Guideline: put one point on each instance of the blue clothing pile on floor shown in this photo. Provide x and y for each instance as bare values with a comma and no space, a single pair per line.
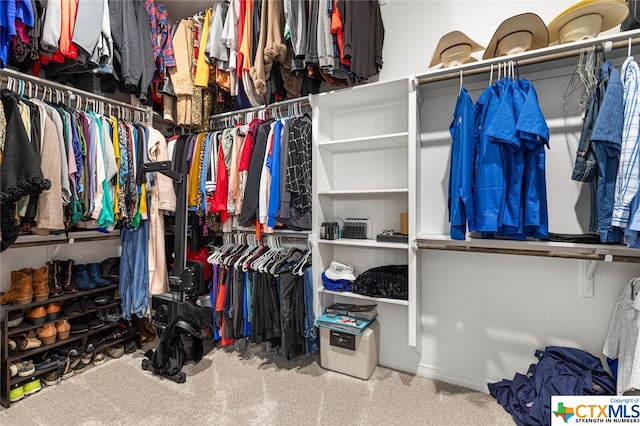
559,371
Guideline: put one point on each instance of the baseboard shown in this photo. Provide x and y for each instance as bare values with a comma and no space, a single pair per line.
429,372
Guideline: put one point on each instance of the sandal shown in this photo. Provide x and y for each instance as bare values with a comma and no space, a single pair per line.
99,358
29,341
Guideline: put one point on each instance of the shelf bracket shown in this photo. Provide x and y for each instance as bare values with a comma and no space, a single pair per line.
587,270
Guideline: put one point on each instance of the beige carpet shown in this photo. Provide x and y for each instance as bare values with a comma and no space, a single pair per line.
251,387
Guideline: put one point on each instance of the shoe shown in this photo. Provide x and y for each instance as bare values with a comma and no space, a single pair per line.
103,299
81,278
68,368
29,341
40,283
147,331
32,386
16,393
13,370
49,359
95,323
116,295
72,308
79,366
79,328
64,329
53,311
15,319
130,347
26,368
51,379
66,272
47,334
115,351
55,285
13,345
96,276
87,358
99,358
36,315
87,305
110,268
21,291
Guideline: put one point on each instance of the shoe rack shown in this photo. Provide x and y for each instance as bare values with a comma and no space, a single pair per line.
75,339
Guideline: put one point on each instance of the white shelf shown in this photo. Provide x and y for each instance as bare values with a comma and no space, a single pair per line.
391,140
365,95
364,243
322,290
363,192
530,247
70,238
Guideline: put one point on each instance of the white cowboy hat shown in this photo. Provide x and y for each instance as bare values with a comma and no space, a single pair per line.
586,19
517,34
454,48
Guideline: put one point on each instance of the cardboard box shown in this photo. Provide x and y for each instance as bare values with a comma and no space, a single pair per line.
404,223
350,354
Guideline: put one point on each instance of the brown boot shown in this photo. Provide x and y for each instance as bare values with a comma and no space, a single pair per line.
40,283
55,286
66,269
21,291
146,331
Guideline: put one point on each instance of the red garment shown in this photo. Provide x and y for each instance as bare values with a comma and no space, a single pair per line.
247,148
220,195
337,29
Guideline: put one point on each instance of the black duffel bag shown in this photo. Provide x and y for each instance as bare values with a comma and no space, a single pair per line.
390,281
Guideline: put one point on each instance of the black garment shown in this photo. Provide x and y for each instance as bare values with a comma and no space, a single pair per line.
299,167
256,14
20,172
311,53
131,29
252,189
36,131
290,292
238,302
363,36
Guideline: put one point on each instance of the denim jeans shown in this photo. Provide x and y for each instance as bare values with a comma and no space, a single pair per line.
606,140
134,271
311,338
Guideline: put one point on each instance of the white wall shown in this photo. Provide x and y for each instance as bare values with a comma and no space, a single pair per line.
483,315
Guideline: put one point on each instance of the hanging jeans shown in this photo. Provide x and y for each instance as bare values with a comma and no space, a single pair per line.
311,338
586,165
134,271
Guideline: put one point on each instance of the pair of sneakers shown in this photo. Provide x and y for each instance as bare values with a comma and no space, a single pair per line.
19,391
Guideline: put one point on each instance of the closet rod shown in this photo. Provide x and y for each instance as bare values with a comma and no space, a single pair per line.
7,72
454,73
304,102
538,253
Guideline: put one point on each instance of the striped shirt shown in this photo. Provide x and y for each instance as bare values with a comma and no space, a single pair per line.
628,178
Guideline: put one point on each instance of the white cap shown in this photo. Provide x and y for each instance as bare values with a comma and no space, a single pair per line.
338,271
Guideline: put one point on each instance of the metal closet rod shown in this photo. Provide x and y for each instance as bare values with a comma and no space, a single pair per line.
538,253
454,73
219,117
7,72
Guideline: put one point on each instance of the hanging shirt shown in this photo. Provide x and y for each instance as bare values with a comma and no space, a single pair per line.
463,137
533,131
627,179
501,131
607,140
273,163
489,184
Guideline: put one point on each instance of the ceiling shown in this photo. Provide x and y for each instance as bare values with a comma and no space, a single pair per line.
179,9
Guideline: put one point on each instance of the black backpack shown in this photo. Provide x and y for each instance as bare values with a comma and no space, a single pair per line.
171,354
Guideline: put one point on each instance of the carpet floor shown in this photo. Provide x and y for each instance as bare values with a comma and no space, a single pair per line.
251,387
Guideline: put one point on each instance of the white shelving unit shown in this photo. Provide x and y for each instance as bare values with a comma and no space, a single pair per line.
364,166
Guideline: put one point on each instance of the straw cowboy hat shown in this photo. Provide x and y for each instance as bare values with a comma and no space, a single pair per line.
454,48
586,19
518,34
